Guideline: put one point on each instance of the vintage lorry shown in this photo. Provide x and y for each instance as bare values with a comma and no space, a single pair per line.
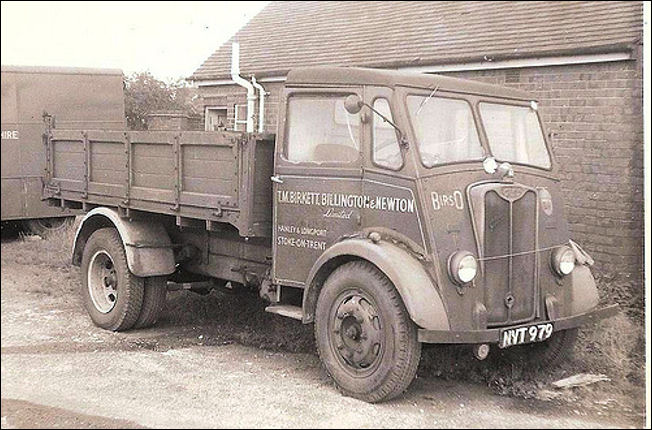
390,209
80,98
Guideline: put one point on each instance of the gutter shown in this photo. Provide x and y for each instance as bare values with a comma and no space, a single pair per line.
488,63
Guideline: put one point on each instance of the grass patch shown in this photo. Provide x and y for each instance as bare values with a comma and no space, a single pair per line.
44,264
615,347
629,294
53,251
239,318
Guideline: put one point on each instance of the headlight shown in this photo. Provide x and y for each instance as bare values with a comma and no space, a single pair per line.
462,267
563,260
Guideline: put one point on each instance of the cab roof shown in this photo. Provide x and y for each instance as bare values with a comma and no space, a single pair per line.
391,78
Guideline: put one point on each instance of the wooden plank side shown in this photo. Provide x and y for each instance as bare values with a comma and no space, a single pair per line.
69,160
108,162
211,138
221,188
153,165
67,134
262,184
183,174
207,201
153,195
209,169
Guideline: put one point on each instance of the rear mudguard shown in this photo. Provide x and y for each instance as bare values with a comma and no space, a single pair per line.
416,288
147,244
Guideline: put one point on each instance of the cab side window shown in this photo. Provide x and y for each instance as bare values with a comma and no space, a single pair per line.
386,151
320,130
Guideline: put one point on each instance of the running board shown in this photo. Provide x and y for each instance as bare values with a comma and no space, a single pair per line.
286,310
178,286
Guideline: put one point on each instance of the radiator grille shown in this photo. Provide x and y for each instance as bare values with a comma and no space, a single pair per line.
510,278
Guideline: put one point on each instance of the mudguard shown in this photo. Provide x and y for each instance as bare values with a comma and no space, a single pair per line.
415,287
584,296
147,244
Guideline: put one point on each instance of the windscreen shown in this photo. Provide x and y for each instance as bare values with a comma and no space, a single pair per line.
514,134
444,129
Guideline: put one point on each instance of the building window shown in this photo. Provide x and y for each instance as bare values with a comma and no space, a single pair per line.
215,118
240,122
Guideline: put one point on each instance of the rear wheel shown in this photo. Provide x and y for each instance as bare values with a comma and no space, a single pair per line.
548,354
112,295
46,226
155,290
365,337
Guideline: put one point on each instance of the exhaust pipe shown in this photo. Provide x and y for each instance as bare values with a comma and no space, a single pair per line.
261,104
251,93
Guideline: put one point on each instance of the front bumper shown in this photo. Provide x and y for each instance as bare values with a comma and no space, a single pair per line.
492,335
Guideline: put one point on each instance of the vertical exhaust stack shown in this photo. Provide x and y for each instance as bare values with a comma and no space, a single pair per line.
261,104
251,93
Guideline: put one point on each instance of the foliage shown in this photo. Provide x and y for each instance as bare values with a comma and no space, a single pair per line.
145,94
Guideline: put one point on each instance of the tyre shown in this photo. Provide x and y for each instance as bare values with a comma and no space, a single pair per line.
155,290
365,338
46,226
111,294
548,354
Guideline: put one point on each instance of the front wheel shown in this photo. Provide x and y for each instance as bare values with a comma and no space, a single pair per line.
365,337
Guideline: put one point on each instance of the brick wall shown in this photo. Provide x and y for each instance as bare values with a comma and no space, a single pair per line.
229,96
174,120
594,114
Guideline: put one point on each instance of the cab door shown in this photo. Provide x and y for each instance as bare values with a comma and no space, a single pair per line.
389,177
317,181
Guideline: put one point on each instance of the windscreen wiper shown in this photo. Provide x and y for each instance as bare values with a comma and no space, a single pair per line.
426,100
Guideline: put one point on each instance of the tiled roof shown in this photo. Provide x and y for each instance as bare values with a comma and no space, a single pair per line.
288,34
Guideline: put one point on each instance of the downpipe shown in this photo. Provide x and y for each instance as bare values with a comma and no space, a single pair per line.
261,104
251,92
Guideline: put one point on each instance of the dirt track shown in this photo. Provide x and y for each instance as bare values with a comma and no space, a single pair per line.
58,370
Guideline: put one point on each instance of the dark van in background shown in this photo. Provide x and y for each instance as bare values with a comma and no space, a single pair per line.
68,98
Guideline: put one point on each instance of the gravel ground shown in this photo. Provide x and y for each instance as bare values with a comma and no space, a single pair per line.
220,361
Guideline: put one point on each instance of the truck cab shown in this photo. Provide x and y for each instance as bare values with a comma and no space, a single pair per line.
455,175
458,173
391,209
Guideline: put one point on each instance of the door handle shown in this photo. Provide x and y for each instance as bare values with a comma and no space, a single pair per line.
277,179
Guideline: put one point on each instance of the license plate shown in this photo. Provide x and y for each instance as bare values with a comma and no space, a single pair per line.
525,334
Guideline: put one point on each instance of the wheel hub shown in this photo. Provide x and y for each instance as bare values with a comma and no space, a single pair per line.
353,332
357,332
102,282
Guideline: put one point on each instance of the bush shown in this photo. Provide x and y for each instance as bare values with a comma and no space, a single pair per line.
145,94
614,346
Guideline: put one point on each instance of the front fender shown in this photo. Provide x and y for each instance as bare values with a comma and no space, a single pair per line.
584,292
417,290
147,244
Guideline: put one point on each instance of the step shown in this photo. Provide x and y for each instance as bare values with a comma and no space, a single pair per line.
177,286
286,310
